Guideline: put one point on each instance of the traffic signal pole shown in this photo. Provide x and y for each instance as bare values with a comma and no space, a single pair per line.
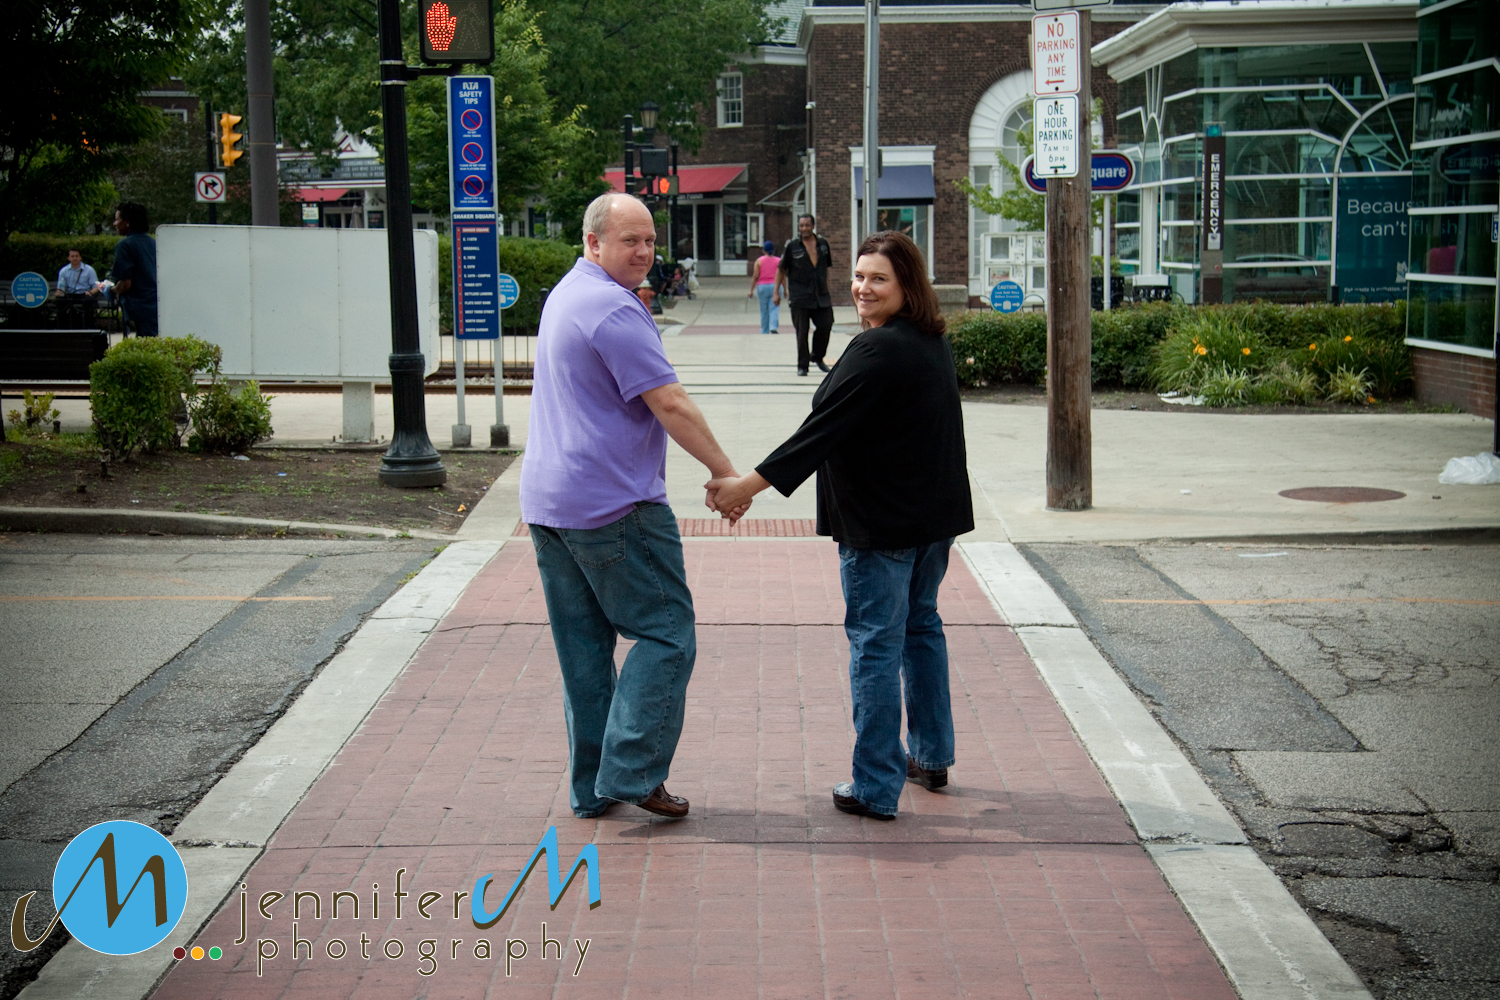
264,184
411,460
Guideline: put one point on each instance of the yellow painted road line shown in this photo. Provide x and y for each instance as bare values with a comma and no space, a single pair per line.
156,597
1312,600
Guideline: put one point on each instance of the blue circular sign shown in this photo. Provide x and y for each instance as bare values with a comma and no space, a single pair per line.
120,887
510,291
1006,296
29,289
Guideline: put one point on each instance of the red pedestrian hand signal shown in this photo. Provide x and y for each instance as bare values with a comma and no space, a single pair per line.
440,26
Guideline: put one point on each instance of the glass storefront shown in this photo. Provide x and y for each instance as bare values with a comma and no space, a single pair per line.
1303,125
1451,270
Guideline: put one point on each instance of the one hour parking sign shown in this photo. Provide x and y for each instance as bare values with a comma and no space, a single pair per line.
1057,136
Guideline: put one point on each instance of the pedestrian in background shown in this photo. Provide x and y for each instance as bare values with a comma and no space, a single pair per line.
886,438
804,272
76,277
134,269
763,287
593,489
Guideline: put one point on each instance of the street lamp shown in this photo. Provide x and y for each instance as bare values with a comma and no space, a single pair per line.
649,111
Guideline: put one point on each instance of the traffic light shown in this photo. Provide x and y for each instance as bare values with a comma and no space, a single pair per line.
228,137
457,31
661,187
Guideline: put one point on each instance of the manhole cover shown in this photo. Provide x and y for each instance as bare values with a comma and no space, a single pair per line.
1341,494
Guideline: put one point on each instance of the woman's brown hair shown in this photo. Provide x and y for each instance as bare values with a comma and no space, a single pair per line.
921,302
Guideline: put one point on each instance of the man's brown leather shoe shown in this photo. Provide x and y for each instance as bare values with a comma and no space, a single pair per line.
663,803
930,780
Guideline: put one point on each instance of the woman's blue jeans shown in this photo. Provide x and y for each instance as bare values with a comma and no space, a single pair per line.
770,314
896,652
626,578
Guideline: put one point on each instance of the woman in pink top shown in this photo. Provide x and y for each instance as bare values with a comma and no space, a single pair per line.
763,285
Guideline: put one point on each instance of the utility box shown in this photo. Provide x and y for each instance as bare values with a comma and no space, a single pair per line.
292,304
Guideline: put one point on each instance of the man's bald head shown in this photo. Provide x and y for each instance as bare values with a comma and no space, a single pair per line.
607,209
619,235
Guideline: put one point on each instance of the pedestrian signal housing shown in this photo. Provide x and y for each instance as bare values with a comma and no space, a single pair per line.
457,31
228,137
661,186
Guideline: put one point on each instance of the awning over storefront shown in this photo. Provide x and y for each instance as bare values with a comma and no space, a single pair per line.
320,194
708,178
910,185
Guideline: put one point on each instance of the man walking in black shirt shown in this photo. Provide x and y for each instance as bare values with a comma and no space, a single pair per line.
804,272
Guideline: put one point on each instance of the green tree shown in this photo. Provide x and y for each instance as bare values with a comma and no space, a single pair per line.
70,113
610,56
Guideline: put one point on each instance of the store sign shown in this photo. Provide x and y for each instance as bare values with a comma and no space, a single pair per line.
1372,235
1056,137
1213,192
1055,67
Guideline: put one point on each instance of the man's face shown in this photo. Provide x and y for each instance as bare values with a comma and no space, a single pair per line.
75,259
628,247
121,226
804,227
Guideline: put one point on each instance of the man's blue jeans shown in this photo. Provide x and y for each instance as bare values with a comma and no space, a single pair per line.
770,313
625,578
896,649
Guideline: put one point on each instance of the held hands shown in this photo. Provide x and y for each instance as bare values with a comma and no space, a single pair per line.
731,511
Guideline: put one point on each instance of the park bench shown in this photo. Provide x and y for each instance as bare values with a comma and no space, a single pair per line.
49,355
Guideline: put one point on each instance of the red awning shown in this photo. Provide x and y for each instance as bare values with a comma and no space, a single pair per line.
708,178
320,194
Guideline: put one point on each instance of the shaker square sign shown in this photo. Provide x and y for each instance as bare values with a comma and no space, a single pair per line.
1055,54
1056,136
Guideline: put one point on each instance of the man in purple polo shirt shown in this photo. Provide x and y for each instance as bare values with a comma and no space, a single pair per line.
593,489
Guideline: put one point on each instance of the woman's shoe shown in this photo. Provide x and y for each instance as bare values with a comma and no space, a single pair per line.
844,801
930,780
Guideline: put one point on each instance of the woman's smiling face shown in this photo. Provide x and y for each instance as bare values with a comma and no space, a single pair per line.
877,294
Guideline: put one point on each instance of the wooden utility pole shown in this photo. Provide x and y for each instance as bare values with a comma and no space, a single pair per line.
1070,474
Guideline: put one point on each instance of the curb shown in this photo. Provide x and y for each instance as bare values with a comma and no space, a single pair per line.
110,521
1269,947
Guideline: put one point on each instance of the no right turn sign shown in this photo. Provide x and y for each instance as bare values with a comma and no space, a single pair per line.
209,186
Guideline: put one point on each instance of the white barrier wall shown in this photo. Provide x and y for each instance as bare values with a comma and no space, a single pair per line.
292,303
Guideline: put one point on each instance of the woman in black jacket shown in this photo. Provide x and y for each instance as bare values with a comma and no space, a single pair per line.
886,439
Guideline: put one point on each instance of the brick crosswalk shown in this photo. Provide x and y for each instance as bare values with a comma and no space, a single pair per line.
1021,880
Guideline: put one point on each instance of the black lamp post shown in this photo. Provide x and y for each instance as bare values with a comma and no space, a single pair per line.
411,460
649,111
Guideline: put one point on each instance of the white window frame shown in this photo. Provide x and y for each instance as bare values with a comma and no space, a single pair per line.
731,100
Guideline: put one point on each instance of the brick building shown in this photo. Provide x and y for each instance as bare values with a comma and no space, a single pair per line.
954,91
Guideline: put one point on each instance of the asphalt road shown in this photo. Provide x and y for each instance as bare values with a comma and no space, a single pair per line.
1344,702
137,670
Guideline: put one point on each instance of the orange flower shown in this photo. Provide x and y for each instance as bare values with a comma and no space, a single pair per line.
1347,339
1200,349
1370,400
1312,347
1244,350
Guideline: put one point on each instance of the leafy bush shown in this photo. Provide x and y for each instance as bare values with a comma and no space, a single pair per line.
146,391
135,396
1123,339
990,347
1345,385
35,411
226,422
46,253
1201,344
1225,386
1284,383
535,264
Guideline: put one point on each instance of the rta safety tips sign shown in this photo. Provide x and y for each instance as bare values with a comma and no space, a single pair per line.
1056,136
471,144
